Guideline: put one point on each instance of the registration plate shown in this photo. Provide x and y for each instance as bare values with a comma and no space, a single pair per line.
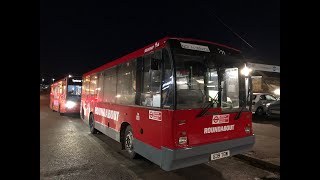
220,155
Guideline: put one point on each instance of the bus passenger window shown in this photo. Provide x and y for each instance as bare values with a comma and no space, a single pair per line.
146,96
150,95
126,79
167,81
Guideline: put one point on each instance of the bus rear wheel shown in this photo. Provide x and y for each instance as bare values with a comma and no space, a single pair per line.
91,125
128,142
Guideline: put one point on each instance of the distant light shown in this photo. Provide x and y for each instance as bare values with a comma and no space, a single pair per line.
70,76
76,80
182,82
277,91
117,96
246,71
200,81
53,79
42,79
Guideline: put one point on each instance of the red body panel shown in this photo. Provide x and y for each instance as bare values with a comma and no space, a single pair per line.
194,126
166,130
137,117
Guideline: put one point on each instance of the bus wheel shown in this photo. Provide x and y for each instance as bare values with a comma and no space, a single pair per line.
61,114
91,125
128,142
82,114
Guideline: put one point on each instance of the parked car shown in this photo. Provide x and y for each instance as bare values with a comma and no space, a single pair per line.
259,101
273,109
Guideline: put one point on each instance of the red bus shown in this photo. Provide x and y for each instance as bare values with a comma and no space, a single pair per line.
65,95
177,102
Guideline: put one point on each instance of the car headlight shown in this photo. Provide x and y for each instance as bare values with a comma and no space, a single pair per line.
70,104
268,104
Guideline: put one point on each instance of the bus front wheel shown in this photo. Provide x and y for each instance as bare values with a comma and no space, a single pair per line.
91,124
128,142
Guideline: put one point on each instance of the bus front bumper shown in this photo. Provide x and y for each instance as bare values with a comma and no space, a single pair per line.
175,159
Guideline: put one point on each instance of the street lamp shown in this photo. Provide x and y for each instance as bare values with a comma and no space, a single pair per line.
246,71
52,79
42,80
70,76
277,91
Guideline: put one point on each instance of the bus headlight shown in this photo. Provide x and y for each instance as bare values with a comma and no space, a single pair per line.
70,104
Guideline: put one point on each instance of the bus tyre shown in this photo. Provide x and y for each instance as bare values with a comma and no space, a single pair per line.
128,142
91,125
82,114
61,114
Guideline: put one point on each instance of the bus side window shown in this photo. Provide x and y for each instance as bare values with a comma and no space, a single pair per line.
85,86
167,81
93,86
110,85
155,78
126,83
139,79
146,96
150,95
100,87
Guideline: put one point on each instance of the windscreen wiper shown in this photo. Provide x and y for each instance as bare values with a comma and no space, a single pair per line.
204,110
239,113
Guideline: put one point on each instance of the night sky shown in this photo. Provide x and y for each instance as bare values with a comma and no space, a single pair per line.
77,36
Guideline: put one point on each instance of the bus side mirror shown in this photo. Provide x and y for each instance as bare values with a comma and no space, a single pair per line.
155,64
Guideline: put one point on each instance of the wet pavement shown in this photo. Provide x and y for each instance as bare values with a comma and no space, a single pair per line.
267,146
69,151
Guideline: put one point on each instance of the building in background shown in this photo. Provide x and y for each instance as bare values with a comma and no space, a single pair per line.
265,78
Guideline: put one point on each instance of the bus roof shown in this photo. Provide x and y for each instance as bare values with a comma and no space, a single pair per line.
58,81
157,45
62,79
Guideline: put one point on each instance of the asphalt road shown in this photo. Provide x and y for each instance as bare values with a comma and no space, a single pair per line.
69,151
